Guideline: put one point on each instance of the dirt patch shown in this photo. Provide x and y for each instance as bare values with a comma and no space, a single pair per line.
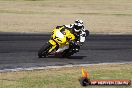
99,16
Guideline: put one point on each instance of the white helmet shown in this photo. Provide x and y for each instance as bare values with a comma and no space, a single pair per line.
78,25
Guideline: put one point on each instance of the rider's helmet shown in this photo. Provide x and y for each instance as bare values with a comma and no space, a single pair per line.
78,25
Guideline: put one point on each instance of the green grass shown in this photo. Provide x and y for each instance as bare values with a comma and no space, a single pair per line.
64,77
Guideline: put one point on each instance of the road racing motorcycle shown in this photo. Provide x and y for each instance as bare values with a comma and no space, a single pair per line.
63,46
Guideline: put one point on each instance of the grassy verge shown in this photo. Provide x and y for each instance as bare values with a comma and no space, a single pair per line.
64,77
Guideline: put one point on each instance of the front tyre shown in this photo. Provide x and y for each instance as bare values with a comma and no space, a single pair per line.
43,51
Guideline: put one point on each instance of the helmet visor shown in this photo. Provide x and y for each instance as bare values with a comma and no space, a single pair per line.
77,27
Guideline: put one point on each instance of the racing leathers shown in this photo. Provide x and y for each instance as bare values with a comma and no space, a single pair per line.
79,36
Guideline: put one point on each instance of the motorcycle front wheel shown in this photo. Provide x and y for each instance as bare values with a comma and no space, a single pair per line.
43,51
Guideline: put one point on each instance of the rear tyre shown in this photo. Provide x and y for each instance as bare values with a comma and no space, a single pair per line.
67,53
43,51
73,48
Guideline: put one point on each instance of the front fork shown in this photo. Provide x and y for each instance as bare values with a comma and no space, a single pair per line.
54,45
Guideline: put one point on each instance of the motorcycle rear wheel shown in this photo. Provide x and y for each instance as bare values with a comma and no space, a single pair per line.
67,53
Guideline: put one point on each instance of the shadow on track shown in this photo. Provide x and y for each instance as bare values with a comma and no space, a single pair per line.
71,57
76,57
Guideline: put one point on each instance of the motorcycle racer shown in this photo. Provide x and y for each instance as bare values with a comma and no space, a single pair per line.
78,30
63,35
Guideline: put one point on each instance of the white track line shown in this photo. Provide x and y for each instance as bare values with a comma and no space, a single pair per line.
49,67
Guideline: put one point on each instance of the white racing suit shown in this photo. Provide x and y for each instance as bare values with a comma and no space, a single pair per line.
80,37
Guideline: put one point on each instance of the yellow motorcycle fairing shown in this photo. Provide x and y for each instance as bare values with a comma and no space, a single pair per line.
60,38
53,45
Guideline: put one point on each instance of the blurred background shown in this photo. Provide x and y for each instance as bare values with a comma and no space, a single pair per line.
99,16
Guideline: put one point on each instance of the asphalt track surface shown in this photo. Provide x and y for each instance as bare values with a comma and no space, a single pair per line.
19,50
